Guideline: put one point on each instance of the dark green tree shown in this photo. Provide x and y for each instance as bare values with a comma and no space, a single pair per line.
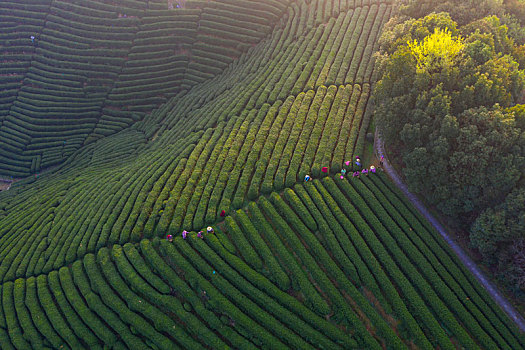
499,234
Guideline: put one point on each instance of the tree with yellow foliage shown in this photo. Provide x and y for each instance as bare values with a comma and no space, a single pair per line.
436,51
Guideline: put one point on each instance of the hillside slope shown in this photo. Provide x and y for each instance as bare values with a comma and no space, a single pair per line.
333,263
193,157
74,71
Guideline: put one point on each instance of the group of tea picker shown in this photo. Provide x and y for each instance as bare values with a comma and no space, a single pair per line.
357,172
200,234
169,238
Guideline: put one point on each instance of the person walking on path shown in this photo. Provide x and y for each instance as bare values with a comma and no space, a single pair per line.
358,162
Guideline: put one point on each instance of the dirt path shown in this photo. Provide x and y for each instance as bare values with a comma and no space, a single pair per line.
6,184
465,259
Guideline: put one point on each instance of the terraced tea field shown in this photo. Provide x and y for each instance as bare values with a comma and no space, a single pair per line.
94,68
155,122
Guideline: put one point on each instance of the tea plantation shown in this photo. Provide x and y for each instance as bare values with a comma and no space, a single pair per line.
125,121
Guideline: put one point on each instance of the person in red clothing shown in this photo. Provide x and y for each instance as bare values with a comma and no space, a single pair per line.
223,213
324,169
169,238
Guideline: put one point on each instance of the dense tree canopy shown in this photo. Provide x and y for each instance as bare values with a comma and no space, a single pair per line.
504,226
450,94
460,10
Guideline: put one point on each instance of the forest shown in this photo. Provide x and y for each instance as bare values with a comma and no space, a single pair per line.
451,96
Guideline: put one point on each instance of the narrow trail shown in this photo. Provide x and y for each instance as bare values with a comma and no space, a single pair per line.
465,259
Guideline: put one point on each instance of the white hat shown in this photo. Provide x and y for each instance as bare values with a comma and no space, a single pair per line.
209,229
